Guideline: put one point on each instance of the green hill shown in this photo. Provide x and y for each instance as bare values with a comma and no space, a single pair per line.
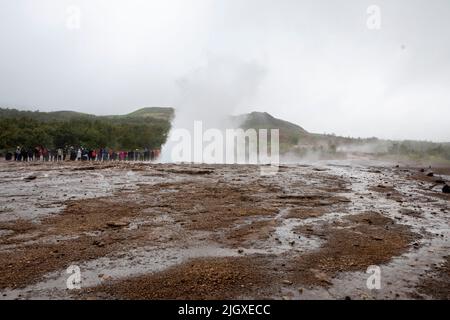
290,134
164,113
147,127
259,120
42,116
297,141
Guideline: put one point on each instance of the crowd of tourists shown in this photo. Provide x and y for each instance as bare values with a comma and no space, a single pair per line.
81,154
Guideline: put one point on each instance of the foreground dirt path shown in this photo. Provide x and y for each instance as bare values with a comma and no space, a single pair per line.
161,231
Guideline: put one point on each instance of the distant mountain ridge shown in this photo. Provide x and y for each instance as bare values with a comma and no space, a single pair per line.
289,133
296,141
259,120
164,113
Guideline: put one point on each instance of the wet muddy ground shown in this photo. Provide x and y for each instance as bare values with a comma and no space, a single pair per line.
165,231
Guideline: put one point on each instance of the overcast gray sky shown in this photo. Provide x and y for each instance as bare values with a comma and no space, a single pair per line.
315,63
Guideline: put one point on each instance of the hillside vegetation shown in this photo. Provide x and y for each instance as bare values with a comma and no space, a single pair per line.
146,127
298,143
149,127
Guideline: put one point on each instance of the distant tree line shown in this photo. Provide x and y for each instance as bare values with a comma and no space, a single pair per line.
90,132
419,149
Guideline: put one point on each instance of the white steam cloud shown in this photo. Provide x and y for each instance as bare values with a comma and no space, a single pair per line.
212,92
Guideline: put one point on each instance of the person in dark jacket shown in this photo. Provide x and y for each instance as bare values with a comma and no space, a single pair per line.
30,154
24,155
73,154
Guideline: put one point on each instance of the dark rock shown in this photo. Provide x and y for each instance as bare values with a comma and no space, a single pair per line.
98,243
446,189
430,174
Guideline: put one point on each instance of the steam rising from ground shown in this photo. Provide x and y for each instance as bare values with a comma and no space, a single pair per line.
213,92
